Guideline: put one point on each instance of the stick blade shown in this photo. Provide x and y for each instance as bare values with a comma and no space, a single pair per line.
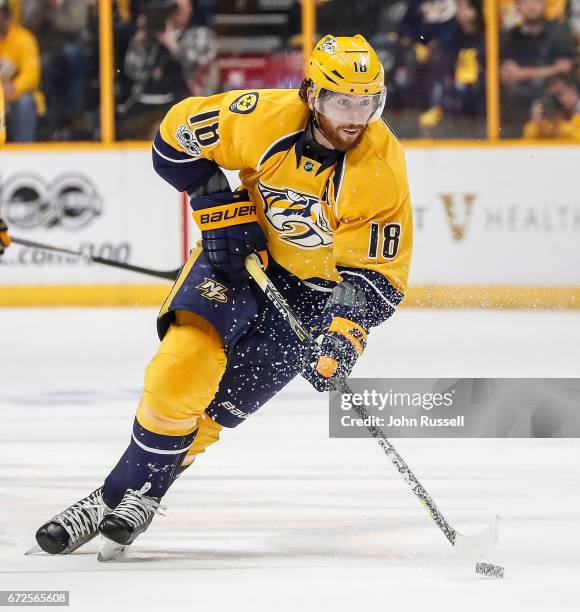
479,543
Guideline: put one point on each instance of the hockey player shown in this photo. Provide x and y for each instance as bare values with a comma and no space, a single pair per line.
324,198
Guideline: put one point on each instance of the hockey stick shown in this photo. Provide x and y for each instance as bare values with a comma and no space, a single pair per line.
471,545
167,274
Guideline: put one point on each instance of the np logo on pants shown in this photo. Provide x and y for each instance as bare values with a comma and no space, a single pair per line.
212,290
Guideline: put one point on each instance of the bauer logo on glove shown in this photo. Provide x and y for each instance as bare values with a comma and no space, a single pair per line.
229,228
229,214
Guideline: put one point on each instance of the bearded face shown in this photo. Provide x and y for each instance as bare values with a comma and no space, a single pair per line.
342,137
342,118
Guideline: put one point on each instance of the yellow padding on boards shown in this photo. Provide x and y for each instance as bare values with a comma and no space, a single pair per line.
183,377
207,434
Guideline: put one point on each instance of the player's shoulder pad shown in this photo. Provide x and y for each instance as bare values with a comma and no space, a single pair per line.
386,143
377,169
252,120
383,146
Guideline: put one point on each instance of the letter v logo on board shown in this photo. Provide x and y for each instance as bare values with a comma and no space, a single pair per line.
458,220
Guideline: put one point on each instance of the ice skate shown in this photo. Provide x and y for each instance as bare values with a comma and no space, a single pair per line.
73,527
129,519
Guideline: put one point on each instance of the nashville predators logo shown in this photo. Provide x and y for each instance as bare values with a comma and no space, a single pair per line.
297,217
212,290
329,44
245,104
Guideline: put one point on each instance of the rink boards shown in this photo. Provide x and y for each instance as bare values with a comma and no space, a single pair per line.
493,225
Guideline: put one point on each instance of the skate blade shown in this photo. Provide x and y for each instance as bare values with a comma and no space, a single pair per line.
34,550
110,551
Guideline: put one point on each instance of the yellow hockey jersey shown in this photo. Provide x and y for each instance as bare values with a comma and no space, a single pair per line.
347,216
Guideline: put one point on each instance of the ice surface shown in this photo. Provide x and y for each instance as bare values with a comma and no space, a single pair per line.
276,516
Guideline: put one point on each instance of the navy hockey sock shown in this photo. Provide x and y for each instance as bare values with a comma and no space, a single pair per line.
116,482
150,457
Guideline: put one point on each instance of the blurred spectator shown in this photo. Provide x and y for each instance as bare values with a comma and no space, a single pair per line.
61,29
427,21
167,59
460,88
511,17
557,114
195,47
155,75
427,26
125,13
531,53
20,76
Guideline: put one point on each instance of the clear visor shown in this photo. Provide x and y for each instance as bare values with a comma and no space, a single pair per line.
350,109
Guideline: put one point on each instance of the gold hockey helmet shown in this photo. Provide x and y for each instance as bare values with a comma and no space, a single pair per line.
346,65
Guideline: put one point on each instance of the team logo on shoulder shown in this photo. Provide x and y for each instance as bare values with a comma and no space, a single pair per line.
297,217
329,44
246,103
212,290
186,139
